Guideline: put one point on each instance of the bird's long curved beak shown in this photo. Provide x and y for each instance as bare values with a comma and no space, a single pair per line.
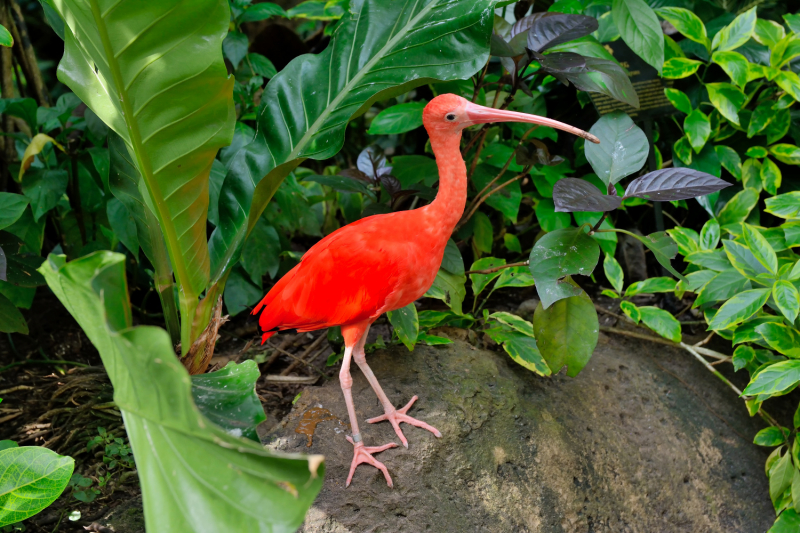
477,114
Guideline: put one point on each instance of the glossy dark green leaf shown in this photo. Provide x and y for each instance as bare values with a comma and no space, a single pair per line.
664,249
261,253
241,294
406,324
235,47
566,333
24,108
722,287
516,337
697,128
679,100
412,169
170,99
123,225
31,478
399,118
228,398
672,184
11,321
11,208
622,150
124,182
556,28
789,520
244,486
573,194
449,288
560,254
640,29
730,160
261,65
261,11
44,188
452,261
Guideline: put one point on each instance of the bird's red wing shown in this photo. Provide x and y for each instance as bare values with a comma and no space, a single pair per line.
345,278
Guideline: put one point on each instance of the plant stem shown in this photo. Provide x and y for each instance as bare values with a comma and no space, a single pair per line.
495,269
599,222
163,280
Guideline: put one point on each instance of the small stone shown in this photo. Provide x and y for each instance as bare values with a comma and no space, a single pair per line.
526,308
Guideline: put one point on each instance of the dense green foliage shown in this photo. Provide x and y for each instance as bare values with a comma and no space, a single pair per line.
205,185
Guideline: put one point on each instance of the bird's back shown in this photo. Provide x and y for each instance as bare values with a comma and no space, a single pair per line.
377,264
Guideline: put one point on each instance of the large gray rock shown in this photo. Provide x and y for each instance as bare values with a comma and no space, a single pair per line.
624,447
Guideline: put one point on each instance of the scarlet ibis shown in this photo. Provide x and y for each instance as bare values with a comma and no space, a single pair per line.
382,263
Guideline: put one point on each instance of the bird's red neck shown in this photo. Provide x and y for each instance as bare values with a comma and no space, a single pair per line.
445,211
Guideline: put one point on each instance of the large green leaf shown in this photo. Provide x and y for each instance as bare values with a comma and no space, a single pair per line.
182,457
379,49
31,478
736,33
567,333
559,254
622,150
640,29
228,398
775,378
686,22
11,320
153,72
406,324
11,208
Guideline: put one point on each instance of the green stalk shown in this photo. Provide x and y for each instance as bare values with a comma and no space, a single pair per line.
162,279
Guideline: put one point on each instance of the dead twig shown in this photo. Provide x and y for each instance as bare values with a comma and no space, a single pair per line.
292,380
495,269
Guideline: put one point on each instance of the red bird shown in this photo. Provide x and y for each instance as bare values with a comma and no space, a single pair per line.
384,262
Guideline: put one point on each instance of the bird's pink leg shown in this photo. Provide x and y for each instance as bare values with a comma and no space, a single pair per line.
361,453
394,416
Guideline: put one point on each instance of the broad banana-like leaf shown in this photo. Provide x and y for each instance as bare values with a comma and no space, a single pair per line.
379,49
195,477
153,71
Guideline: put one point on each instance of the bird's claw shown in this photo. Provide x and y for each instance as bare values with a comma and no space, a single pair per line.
363,454
396,416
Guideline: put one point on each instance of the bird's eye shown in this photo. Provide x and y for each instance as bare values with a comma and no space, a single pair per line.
451,117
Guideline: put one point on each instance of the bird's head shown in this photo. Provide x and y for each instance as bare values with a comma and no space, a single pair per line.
449,112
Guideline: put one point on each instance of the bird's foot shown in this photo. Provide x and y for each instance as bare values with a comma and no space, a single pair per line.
395,416
363,454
